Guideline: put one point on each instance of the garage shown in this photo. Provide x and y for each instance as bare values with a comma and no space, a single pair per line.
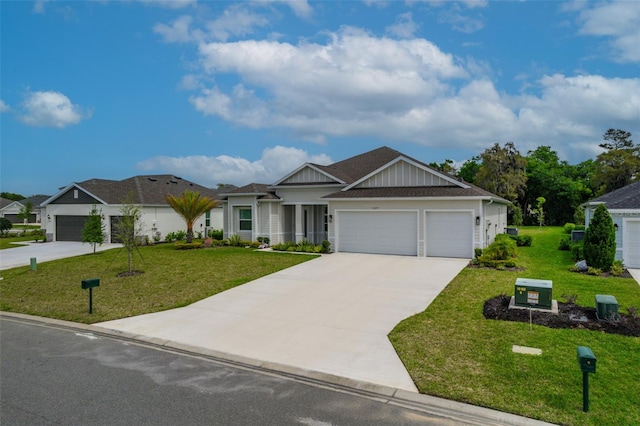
377,232
69,228
631,244
449,234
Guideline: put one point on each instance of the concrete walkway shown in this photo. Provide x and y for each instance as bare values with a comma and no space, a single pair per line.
635,273
330,315
43,252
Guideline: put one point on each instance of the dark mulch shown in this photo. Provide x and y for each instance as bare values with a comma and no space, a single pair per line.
129,274
569,316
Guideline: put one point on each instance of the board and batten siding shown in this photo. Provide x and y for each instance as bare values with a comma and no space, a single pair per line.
308,175
403,173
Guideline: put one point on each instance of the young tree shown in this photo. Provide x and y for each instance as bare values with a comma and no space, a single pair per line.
26,211
93,231
502,171
600,240
128,226
539,211
517,216
190,205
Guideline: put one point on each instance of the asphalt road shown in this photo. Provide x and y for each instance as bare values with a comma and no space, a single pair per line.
53,375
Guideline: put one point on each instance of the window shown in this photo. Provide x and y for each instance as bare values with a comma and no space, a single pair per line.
245,219
207,218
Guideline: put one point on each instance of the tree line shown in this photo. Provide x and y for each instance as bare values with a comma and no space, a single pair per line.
540,174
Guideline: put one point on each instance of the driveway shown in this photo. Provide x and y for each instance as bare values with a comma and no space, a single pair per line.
329,315
635,273
21,256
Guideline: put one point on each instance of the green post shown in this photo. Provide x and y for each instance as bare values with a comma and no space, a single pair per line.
34,264
585,391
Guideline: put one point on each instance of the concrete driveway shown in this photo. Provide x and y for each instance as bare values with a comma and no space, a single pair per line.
330,315
21,256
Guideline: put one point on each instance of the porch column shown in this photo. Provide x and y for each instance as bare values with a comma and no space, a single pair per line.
299,230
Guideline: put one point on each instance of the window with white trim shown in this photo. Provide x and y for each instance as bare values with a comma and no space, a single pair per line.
245,221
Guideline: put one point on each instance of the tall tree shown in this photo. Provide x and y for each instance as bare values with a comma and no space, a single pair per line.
600,240
469,169
619,165
190,205
12,196
93,231
447,166
502,171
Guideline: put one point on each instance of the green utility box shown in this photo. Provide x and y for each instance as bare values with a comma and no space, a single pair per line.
90,283
586,359
533,293
606,307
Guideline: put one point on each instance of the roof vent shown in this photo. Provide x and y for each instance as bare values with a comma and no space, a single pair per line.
152,179
177,177
173,181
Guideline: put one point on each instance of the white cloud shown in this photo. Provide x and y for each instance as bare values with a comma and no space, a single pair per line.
461,22
209,171
404,27
4,107
301,8
620,22
50,109
236,20
38,6
177,32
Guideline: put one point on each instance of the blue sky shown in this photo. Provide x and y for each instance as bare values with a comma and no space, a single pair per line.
240,92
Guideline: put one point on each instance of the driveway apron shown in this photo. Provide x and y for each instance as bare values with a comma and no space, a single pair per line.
329,315
43,252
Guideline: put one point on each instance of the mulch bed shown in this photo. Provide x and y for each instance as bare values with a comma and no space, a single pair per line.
569,316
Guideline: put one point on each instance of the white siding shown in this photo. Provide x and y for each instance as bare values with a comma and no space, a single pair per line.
631,242
403,174
308,175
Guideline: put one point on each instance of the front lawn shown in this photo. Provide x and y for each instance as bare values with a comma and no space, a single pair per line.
172,278
453,352
12,242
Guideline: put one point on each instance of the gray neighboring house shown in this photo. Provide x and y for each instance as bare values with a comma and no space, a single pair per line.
382,202
65,213
10,209
624,207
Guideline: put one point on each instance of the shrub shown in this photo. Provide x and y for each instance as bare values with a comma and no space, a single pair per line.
5,225
188,246
234,240
264,240
326,246
617,268
180,235
577,251
570,298
633,311
600,240
568,227
594,271
564,244
502,248
170,237
216,234
477,252
580,228
522,240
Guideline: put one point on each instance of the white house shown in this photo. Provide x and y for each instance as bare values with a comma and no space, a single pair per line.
381,201
624,207
64,214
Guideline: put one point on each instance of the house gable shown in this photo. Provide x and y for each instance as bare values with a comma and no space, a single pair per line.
75,195
308,174
403,172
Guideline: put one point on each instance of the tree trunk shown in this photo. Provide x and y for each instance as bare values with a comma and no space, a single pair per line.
189,236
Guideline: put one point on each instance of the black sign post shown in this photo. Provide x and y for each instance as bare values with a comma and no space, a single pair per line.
90,284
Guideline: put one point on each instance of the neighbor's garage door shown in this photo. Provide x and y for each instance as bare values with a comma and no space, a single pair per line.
631,244
69,228
378,232
449,234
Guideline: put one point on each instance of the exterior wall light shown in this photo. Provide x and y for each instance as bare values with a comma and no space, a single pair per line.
477,220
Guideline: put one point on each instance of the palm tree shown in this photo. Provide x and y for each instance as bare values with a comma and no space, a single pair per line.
190,206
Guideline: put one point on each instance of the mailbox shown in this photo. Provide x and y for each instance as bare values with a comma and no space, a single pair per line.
90,283
586,359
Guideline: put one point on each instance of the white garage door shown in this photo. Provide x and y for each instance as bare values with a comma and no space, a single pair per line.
378,232
449,234
631,244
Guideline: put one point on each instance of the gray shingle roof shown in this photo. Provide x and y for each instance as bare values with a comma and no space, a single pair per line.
35,200
627,197
4,202
261,189
146,190
413,192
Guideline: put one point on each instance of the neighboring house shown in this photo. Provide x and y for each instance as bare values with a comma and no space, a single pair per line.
10,209
65,213
624,207
381,201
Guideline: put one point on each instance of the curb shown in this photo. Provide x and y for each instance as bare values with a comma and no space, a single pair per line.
457,411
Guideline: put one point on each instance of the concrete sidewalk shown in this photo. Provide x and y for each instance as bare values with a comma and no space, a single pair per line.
43,252
330,315
635,273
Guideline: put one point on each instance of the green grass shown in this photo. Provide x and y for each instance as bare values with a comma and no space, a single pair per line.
172,278
453,352
9,242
